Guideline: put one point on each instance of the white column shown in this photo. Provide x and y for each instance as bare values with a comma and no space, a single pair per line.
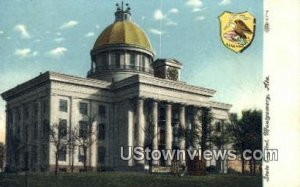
141,125
93,149
155,129
73,156
169,133
182,128
130,130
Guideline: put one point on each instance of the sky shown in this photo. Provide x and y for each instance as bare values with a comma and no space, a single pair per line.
57,35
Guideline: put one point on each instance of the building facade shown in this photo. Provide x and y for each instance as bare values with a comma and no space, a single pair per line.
126,90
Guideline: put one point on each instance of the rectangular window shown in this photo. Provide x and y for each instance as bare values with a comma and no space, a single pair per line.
83,108
35,109
18,131
45,106
26,133
162,135
118,60
62,153
101,154
34,154
45,128
62,128
101,131
63,105
103,60
35,130
143,63
18,114
102,111
218,127
80,154
83,129
26,112
131,60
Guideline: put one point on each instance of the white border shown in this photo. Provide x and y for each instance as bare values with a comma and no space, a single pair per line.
282,64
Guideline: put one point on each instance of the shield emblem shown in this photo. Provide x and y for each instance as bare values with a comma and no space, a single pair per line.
237,30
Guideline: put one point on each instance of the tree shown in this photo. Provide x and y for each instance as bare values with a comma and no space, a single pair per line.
72,146
58,133
219,137
245,133
83,136
252,119
199,135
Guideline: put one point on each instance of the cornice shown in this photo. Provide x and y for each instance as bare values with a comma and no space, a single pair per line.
219,105
48,76
164,83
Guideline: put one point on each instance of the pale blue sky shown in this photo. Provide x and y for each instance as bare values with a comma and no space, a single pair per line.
57,35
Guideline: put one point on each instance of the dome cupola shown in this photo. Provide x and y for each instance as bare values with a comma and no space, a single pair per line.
121,50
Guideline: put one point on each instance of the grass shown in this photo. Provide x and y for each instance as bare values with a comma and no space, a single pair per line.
126,180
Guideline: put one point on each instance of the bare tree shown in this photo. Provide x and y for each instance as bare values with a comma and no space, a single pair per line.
83,136
58,135
72,144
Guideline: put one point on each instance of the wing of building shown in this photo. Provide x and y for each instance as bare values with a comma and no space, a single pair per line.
126,91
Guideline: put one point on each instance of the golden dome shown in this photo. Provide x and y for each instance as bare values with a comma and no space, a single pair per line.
123,32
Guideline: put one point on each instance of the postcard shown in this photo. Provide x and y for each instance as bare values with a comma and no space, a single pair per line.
149,93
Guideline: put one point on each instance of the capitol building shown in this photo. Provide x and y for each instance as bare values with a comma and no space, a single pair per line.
126,89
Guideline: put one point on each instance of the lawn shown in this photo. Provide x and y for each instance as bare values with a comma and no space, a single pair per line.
126,179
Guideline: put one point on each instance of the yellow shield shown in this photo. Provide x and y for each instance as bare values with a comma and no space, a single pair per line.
237,30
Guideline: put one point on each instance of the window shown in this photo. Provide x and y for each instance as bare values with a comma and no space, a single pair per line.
34,154
83,108
45,106
117,60
162,135
83,129
18,114
103,60
62,153
62,128
45,128
80,154
35,130
102,111
26,112
63,105
101,131
26,133
101,154
218,127
35,109
131,60
143,63
18,131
